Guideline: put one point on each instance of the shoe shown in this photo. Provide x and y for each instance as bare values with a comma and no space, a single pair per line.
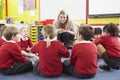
117,67
104,67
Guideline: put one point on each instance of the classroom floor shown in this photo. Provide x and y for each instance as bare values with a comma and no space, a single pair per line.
101,75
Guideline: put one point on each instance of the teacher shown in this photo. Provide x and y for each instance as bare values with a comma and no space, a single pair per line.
66,29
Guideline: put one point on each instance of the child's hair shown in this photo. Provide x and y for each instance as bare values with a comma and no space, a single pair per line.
49,32
97,31
9,32
2,28
24,28
86,31
112,29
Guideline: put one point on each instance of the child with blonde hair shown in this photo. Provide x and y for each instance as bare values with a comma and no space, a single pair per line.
50,52
25,42
66,29
11,59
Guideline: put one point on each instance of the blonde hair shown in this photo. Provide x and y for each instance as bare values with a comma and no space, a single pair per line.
25,28
9,32
49,32
68,21
2,28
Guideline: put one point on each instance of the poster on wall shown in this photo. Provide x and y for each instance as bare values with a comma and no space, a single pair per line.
29,4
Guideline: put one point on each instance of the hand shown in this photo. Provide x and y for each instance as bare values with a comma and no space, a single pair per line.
60,31
28,49
35,58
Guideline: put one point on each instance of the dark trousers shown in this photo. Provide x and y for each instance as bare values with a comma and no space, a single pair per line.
66,38
69,69
37,71
111,62
17,68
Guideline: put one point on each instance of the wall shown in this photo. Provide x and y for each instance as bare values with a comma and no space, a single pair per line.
2,10
13,12
50,8
103,21
104,7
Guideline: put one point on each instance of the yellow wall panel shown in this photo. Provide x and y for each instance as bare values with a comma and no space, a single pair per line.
2,10
103,20
13,12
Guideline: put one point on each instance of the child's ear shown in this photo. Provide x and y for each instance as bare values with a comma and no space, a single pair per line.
13,36
80,37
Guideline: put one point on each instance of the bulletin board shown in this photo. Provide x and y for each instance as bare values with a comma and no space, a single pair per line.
49,9
104,8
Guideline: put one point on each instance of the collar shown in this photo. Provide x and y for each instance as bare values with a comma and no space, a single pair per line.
55,38
84,41
26,38
11,41
3,38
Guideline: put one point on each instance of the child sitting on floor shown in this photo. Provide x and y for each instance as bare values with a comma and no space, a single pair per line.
11,59
25,42
83,61
109,47
50,51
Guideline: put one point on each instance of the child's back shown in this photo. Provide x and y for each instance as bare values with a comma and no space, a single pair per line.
86,54
50,52
83,61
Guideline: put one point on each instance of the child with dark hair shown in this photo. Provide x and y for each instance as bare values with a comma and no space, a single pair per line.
83,61
11,59
50,51
109,47
97,33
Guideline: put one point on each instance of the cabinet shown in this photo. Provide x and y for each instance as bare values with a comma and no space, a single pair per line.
36,33
33,34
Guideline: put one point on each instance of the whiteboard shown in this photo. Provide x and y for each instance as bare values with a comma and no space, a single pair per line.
104,7
49,9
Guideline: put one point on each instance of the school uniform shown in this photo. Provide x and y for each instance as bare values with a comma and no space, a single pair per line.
25,44
112,47
83,61
50,58
11,59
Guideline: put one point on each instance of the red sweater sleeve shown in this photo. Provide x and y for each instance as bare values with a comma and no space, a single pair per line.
25,44
73,57
30,43
16,53
63,50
